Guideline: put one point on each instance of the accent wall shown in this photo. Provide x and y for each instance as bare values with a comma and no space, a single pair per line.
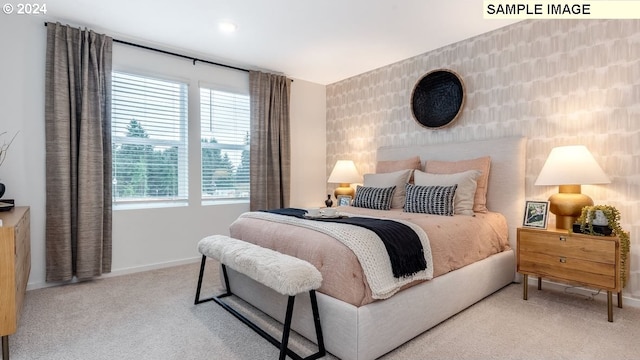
556,82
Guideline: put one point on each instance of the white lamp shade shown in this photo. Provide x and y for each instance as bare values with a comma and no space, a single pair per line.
344,172
571,165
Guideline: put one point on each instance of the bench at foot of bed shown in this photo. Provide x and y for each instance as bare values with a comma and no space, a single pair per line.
283,273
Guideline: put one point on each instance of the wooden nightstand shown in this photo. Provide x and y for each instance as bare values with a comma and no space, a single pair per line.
592,261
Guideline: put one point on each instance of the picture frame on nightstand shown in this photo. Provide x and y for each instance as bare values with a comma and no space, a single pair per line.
344,200
536,214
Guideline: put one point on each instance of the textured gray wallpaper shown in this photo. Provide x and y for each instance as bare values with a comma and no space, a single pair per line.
557,82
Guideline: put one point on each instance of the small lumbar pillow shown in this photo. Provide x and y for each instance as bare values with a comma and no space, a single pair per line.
466,180
396,178
435,200
374,197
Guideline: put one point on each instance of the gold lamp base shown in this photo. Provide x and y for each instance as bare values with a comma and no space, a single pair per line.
567,205
344,189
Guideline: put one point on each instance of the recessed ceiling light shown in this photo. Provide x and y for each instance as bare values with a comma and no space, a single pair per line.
227,27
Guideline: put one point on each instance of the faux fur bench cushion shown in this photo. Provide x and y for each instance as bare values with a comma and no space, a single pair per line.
283,273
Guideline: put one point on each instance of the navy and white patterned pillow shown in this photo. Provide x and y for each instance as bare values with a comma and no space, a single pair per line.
373,197
435,200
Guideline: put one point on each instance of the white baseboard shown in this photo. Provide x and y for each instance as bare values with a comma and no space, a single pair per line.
602,296
120,272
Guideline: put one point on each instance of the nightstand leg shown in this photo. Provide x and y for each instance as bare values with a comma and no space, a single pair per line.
525,283
620,299
610,306
5,347
539,283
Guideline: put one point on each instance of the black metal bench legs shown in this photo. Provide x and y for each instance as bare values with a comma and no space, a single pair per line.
283,344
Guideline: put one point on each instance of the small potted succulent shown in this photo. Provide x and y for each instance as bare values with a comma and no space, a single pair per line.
598,217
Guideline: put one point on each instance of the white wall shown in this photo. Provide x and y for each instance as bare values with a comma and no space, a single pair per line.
308,143
22,65
142,238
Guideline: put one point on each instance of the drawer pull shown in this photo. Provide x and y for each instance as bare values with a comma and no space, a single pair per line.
563,260
563,238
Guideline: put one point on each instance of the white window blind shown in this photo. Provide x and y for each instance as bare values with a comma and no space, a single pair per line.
149,136
225,144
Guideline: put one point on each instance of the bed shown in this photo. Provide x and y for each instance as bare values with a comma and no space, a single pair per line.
357,322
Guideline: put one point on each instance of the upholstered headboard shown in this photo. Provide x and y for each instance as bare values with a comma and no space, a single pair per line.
506,189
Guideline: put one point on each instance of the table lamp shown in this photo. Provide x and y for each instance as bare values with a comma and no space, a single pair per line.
569,167
344,173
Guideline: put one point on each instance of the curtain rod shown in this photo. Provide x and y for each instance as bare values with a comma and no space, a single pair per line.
176,54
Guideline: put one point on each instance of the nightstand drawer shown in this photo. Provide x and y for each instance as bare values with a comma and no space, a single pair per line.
589,248
569,269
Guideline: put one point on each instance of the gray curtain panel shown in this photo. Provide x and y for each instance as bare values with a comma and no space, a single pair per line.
78,153
270,153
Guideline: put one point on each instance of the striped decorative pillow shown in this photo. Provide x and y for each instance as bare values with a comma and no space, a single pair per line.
435,200
373,197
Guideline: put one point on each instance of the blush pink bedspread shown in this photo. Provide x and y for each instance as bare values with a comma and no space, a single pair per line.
456,241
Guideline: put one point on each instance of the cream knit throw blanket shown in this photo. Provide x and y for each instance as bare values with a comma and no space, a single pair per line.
367,247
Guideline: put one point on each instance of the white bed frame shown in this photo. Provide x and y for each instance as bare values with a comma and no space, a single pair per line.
370,331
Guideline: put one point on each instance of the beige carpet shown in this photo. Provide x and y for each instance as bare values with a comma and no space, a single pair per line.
151,315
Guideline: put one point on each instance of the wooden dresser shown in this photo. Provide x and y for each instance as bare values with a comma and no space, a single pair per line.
592,261
15,265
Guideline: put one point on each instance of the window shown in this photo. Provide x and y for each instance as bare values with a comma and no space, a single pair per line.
149,136
224,119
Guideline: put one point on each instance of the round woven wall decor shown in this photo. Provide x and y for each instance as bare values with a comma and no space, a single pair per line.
437,99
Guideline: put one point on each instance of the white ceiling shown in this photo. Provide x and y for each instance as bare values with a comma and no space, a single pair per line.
321,41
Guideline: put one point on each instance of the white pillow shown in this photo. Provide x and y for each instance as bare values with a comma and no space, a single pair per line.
385,180
465,193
